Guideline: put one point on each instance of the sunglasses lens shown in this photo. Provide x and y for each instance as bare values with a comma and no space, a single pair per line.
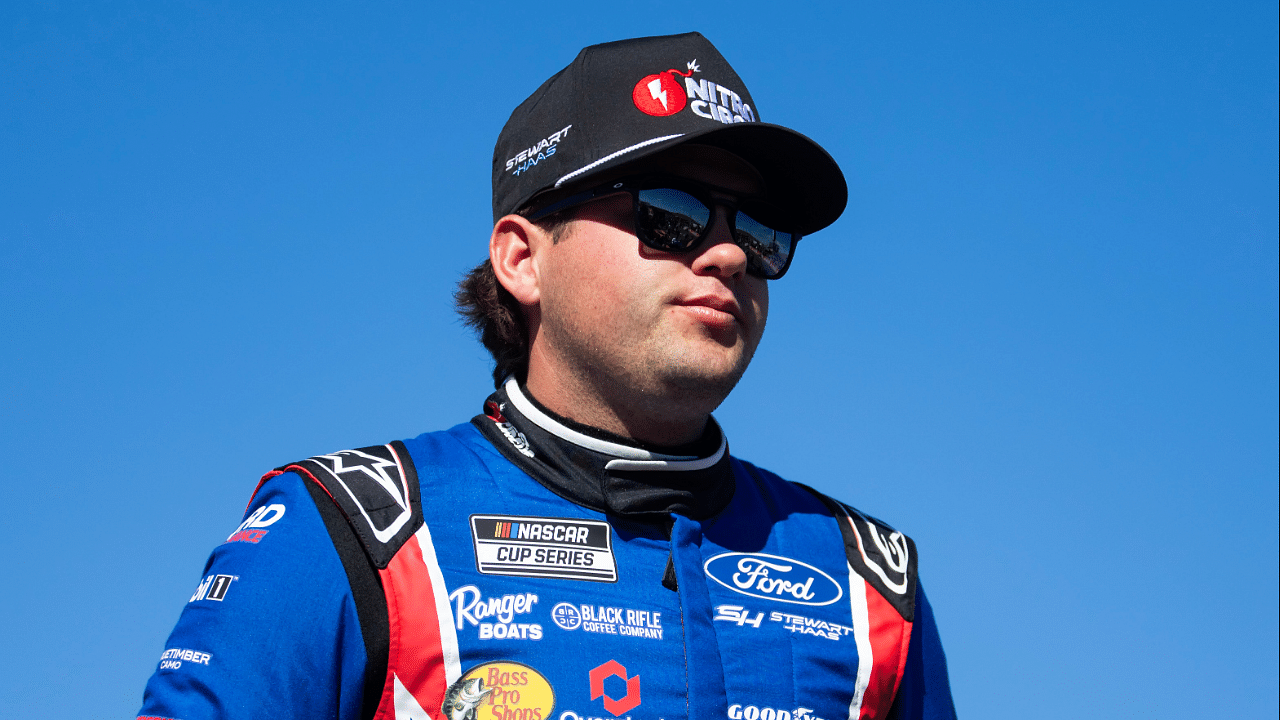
767,249
670,220
675,221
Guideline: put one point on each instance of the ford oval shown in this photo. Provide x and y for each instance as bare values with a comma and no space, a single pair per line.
773,577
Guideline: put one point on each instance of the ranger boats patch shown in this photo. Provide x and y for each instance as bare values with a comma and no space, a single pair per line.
567,548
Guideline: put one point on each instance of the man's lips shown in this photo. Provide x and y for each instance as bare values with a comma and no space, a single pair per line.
713,309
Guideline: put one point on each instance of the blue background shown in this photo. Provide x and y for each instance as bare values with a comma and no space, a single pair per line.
1042,340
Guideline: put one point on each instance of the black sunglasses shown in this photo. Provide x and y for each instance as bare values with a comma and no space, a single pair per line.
675,216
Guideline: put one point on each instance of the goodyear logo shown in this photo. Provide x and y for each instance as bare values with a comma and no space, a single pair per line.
501,690
568,548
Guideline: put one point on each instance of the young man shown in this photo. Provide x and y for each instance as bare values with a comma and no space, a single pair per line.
586,548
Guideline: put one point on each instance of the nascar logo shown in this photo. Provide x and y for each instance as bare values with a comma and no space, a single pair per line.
568,548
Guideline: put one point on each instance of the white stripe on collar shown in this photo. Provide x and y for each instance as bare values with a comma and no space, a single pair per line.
627,457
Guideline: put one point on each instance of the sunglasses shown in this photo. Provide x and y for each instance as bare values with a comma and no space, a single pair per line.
675,216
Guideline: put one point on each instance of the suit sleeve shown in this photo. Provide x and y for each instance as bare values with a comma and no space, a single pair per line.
925,692
271,629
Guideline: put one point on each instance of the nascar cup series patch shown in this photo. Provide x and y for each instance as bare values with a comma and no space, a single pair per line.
567,548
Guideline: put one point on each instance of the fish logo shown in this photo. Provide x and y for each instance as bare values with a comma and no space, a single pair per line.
503,689
463,699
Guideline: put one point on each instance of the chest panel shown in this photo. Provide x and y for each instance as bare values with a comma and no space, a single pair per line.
561,612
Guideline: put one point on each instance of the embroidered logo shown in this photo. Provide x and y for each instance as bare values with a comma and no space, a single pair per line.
566,548
502,689
619,706
518,441
662,94
772,577
251,530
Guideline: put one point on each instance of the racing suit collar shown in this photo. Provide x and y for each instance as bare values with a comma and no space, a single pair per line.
605,472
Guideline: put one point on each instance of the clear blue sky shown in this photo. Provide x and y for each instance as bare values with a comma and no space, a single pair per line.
1042,340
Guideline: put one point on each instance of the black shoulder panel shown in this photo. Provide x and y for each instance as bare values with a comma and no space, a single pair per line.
884,557
370,503
366,589
377,489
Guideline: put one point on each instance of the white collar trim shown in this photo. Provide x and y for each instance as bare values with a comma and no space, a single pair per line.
626,456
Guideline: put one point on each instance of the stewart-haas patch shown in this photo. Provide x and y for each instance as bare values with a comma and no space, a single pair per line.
567,548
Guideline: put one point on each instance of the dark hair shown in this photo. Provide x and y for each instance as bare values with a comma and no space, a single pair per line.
495,315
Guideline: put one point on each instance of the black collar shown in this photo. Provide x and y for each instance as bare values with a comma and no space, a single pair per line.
605,472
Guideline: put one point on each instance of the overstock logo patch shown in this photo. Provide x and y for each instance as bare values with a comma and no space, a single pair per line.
616,706
566,548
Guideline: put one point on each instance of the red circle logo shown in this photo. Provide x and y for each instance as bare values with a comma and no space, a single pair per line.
659,95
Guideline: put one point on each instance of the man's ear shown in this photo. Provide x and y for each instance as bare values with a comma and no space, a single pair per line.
511,250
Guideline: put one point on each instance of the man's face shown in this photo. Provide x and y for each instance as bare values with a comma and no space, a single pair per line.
633,322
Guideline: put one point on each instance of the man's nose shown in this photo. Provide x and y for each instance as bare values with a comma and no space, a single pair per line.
719,254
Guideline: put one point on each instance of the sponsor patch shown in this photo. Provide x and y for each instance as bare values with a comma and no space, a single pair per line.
608,620
173,658
566,548
493,411
374,480
537,152
668,92
752,712
772,577
213,587
503,689
798,624
615,706
470,607
252,529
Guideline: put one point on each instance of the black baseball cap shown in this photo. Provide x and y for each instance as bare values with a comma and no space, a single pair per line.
623,101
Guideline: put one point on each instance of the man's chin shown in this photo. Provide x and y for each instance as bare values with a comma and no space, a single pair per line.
704,383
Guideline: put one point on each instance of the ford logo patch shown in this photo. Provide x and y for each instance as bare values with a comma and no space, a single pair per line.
773,578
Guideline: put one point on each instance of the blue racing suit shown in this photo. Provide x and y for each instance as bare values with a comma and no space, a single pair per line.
524,567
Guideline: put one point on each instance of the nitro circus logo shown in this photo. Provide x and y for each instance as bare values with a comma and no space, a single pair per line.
797,624
250,530
664,94
470,607
751,712
213,587
772,577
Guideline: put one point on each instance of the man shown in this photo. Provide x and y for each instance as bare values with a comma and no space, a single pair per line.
586,548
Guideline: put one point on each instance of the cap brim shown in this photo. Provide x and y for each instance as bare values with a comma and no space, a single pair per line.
801,178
